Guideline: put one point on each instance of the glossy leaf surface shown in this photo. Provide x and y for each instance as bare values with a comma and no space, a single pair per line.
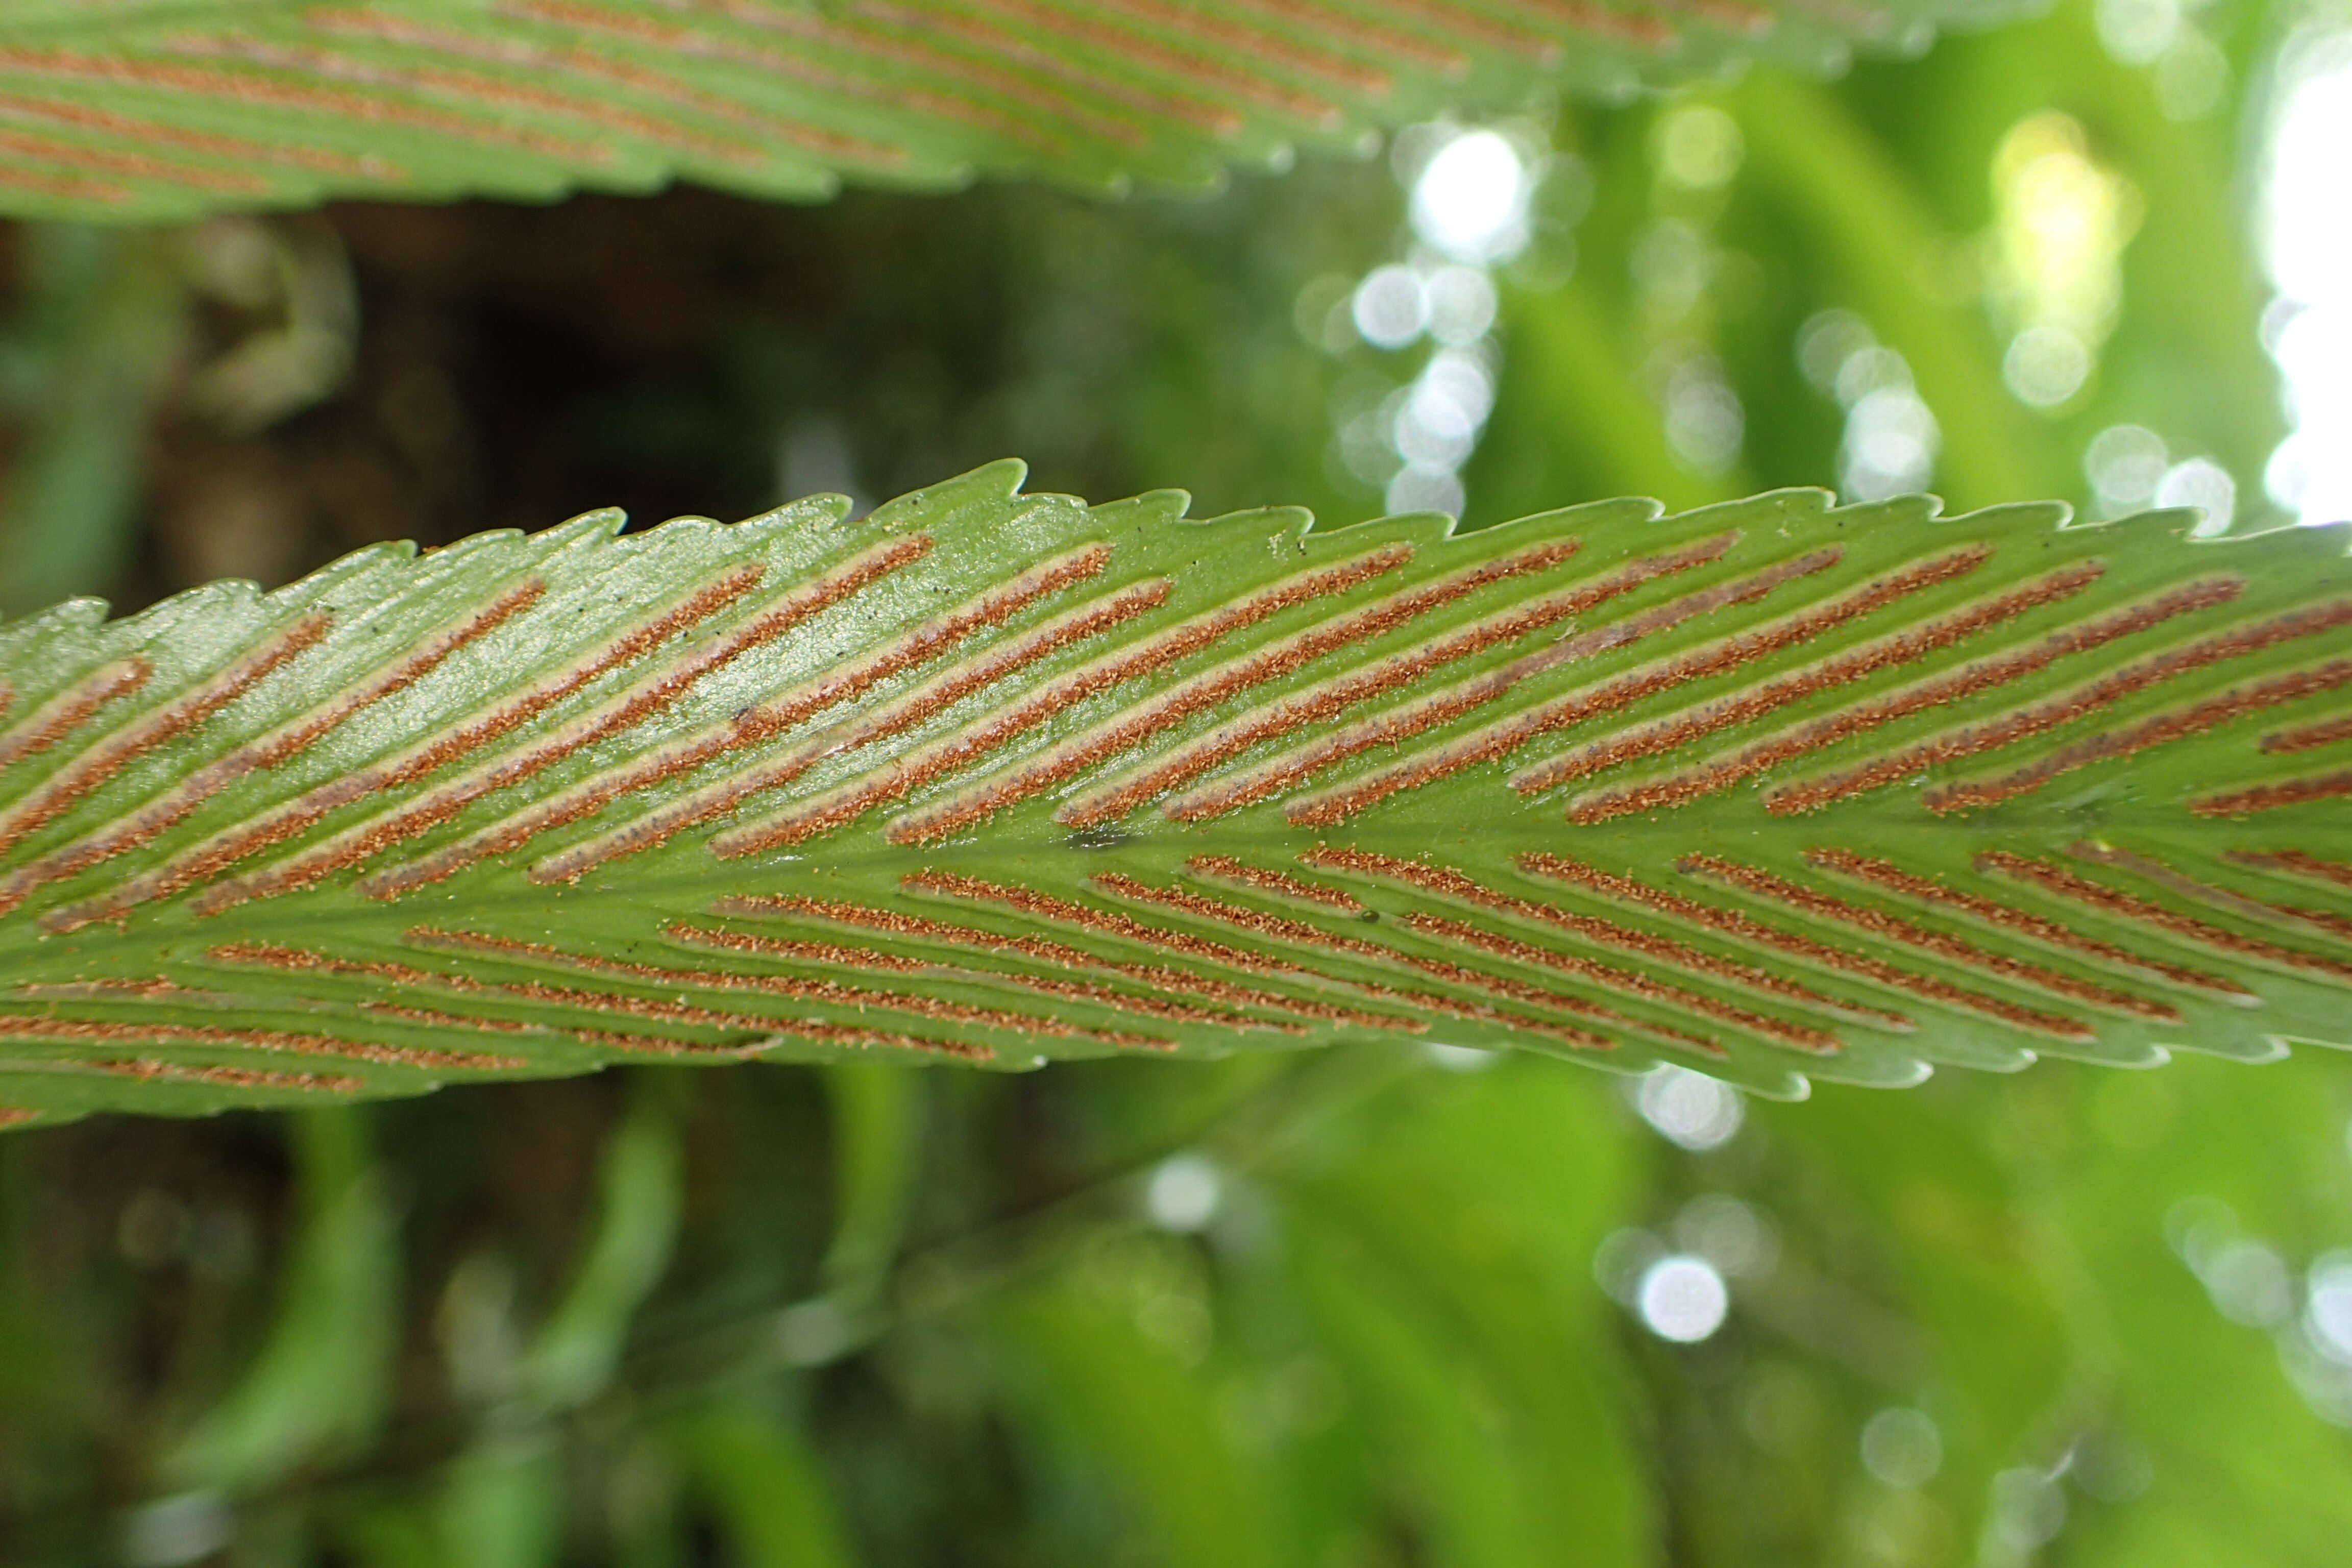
145,109
1774,788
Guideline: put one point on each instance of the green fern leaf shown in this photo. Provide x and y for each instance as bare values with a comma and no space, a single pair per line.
161,109
1773,789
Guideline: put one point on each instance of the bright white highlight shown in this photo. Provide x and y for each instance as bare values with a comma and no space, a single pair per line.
1891,437
2328,1314
1389,307
1902,1447
2203,483
2310,235
2124,463
2045,365
1688,1108
1681,1299
1462,304
1470,201
2249,1283
1733,1236
1183,1194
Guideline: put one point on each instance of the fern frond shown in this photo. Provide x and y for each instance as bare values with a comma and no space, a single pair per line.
1776,789
157,108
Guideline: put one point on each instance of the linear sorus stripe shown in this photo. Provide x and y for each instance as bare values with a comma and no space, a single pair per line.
693,1017
1264,879
2125,906
1723,655
1133,725
2050,934
2308,737
1968,681
1739,927
1643,32
995,42
1274,928
1951,949
687,43
36,147
835,954
452,740
2294,863
2035,718
1318,703
859,36
1353,29
101,761
758,723
1896,648
2173,724
1631,983
792,987
68,188
243,151
1258,44
303,961
1732,15
136,827
517,95
86,990
1178,982
1450,19
2272,796
114,1031
301,86
71,708
2163,876
1294,765
624,710
431,1019
408,765
152,1070
1039,906
1334,805
670,1046
1202,72
1448,883
920,704
1497,739
987,732
1602,22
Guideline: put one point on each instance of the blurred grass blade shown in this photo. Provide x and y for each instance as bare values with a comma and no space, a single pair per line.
100,325
767,1488
320,1383
1112,1407
1882,243
573,1356
1487,1371
502,1502
877,1113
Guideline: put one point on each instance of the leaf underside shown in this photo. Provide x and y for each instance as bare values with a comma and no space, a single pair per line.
1775,789
158,109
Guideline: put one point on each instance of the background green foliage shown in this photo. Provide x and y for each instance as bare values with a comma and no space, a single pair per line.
760,1315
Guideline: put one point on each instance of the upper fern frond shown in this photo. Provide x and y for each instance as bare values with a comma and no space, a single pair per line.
161,109
1776,788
